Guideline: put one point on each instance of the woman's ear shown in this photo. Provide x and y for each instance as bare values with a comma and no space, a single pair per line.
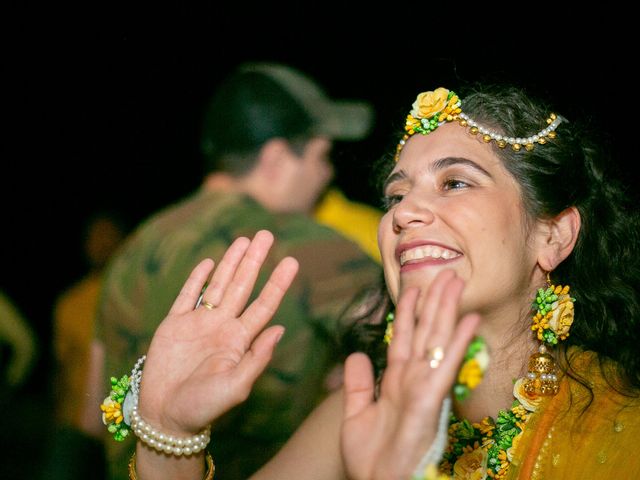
556,238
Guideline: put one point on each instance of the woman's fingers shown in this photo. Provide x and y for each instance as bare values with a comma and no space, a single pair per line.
455,350
264,307
403,326
191,289
431,304
238,291
434,330
225,271
256,359
437,337
358,384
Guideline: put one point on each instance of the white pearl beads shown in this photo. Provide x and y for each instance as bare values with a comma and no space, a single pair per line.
168,443
155,439
539,137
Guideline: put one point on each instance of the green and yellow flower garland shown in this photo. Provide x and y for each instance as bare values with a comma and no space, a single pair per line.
554,313
484,449
112,414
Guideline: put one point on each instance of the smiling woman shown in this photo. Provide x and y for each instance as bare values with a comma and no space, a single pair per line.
484,191
455,205
492,201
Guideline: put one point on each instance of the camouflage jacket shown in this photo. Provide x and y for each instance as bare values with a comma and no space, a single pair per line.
144,278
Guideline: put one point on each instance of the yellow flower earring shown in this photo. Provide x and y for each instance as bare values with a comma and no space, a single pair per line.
551,322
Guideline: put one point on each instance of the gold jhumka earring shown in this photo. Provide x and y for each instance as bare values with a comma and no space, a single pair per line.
552,321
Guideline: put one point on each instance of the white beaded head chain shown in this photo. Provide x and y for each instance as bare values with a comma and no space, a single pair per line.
432,109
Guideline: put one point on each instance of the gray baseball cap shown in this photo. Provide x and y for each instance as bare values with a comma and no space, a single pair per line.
336,119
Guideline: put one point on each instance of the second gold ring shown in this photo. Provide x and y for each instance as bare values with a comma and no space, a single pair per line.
207,305
436,354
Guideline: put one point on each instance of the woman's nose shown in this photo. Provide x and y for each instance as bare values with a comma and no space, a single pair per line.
412,211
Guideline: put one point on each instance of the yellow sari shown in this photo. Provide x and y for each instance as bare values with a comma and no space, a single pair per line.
566,441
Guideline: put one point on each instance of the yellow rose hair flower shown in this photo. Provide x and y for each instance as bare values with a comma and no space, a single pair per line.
432,109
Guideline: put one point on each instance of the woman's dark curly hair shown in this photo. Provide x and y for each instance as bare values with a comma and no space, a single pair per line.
572,170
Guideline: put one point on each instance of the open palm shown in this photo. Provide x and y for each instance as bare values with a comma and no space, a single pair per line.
386,437
204,361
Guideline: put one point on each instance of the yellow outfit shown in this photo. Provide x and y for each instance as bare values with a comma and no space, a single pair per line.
565,441
74,320
356,221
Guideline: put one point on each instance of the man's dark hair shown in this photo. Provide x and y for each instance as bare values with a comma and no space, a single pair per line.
246,111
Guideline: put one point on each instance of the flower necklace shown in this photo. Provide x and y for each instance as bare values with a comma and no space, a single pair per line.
484,450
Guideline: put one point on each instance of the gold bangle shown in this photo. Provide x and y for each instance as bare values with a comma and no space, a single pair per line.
211,468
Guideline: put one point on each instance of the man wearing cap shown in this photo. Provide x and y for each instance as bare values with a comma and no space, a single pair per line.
266,141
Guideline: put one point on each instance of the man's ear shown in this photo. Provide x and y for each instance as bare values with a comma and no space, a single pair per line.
272,158
556,238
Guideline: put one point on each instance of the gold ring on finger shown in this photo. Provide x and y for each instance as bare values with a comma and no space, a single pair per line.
207,305
435,356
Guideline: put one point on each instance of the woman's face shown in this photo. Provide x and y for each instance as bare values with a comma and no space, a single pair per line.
452,204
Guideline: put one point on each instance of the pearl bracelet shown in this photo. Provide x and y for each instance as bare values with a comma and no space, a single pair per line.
126,416
168,443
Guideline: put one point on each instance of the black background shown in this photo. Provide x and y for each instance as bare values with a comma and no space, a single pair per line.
102,104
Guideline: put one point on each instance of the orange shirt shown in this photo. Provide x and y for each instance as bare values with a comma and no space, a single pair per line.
74,320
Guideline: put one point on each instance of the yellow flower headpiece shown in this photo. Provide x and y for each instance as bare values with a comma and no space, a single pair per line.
432,109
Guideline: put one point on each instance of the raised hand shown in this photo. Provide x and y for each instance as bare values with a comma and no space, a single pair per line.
204,361
385,438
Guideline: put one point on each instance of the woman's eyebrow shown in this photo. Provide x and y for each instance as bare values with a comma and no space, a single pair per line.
449,161
438,165
394,177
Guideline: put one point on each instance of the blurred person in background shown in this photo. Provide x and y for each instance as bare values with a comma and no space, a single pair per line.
18,345
266,140
74,449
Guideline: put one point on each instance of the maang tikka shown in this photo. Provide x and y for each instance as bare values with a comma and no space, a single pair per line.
552,321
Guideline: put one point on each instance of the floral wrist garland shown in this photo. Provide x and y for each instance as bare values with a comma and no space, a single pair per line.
120,414
111,407
118,407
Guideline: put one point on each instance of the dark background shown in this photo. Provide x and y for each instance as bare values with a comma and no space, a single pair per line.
102,104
